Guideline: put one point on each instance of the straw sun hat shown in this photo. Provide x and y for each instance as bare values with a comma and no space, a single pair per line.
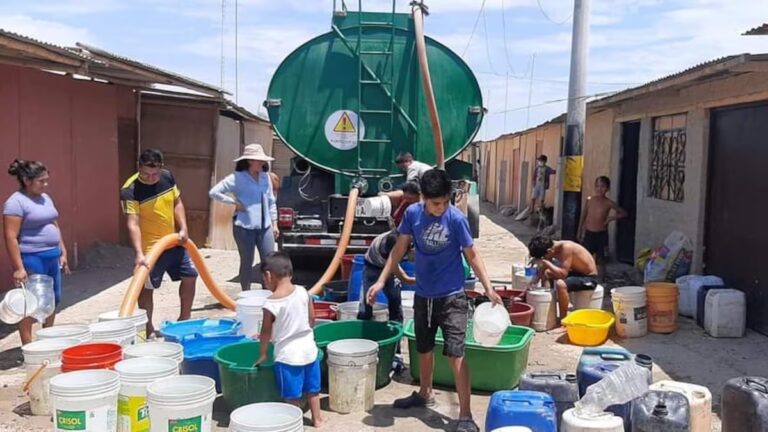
254,152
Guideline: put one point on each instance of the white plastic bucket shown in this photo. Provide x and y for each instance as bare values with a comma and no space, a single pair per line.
544,309
588,299
489,323
574,421
374,207
42,361
250,314
77,331
407,303
170,350
16,305
347,311
139,320
184,402
263,293
85,401
121,332
135,375
352,374
629,306
267,417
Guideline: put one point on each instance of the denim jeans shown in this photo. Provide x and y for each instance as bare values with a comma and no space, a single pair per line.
394,300
247,241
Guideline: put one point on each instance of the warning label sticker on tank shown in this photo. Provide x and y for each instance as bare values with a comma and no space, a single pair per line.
341,129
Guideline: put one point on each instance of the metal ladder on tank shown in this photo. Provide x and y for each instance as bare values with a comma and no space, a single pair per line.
385,82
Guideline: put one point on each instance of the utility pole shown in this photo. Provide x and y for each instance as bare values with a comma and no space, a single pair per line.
570,173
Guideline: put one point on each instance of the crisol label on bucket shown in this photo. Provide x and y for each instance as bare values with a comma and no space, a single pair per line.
193,424
70,420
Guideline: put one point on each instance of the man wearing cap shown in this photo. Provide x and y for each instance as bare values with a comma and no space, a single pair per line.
152,204
249,190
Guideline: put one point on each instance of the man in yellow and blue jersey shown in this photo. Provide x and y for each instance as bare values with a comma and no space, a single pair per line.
152,204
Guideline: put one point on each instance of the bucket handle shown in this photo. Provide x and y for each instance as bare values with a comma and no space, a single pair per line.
757,385
36,375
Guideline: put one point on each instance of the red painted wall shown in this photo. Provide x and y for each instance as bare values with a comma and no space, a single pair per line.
71,126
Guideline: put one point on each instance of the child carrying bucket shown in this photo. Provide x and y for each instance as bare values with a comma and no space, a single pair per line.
288,321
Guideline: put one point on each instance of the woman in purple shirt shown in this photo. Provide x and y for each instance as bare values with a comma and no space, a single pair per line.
32,235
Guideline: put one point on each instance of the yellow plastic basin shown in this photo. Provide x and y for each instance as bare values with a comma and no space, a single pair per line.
588,327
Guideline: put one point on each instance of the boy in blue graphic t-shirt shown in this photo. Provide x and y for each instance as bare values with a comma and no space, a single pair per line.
440,234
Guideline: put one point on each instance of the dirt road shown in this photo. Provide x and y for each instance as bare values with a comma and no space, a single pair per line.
687,355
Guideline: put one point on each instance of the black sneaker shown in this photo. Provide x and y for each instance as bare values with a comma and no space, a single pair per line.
414,401
467,425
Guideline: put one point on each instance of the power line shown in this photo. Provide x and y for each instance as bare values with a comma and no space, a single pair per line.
474,28
506,49
554,101
556,81
237,78
543,12
223,16
487,43
530,91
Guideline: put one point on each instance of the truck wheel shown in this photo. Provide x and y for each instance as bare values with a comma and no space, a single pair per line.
473,215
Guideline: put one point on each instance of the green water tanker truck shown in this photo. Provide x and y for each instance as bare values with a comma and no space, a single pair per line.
347,103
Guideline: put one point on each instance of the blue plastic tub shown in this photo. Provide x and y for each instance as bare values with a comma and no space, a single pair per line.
175,331
532,409
199,352
356,281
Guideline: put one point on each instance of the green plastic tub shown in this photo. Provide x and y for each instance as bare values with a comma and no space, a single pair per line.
491,368
241,383
387,334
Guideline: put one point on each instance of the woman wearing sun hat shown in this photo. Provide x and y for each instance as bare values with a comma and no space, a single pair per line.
254,225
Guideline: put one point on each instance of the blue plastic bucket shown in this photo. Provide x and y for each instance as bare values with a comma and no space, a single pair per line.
178,330
199,352
356,282
410,269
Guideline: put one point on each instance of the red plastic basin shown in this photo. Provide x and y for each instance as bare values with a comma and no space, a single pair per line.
101,355
323,310
520,314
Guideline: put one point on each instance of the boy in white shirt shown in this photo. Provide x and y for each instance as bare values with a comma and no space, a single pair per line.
288,321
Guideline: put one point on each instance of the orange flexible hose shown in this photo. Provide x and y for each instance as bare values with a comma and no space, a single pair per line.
140,275
429,94
346,232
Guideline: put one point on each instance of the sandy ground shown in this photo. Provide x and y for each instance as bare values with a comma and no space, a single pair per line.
687,355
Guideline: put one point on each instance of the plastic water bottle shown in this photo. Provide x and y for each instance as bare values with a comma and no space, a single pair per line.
618,387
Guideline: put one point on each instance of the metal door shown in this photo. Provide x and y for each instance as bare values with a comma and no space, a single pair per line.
627,192
736,235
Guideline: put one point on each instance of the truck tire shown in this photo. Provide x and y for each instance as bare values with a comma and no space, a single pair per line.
473,215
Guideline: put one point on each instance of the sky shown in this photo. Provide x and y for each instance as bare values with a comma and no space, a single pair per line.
518,49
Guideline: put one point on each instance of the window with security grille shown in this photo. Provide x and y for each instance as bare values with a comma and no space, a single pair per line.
666,174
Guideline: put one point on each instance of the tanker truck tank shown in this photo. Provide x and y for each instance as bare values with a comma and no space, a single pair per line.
347,102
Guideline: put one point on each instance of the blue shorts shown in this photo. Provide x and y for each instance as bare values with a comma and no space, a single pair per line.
46,263
296,381
176,263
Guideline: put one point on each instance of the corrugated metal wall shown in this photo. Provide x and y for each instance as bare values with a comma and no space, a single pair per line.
185,132
71,126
